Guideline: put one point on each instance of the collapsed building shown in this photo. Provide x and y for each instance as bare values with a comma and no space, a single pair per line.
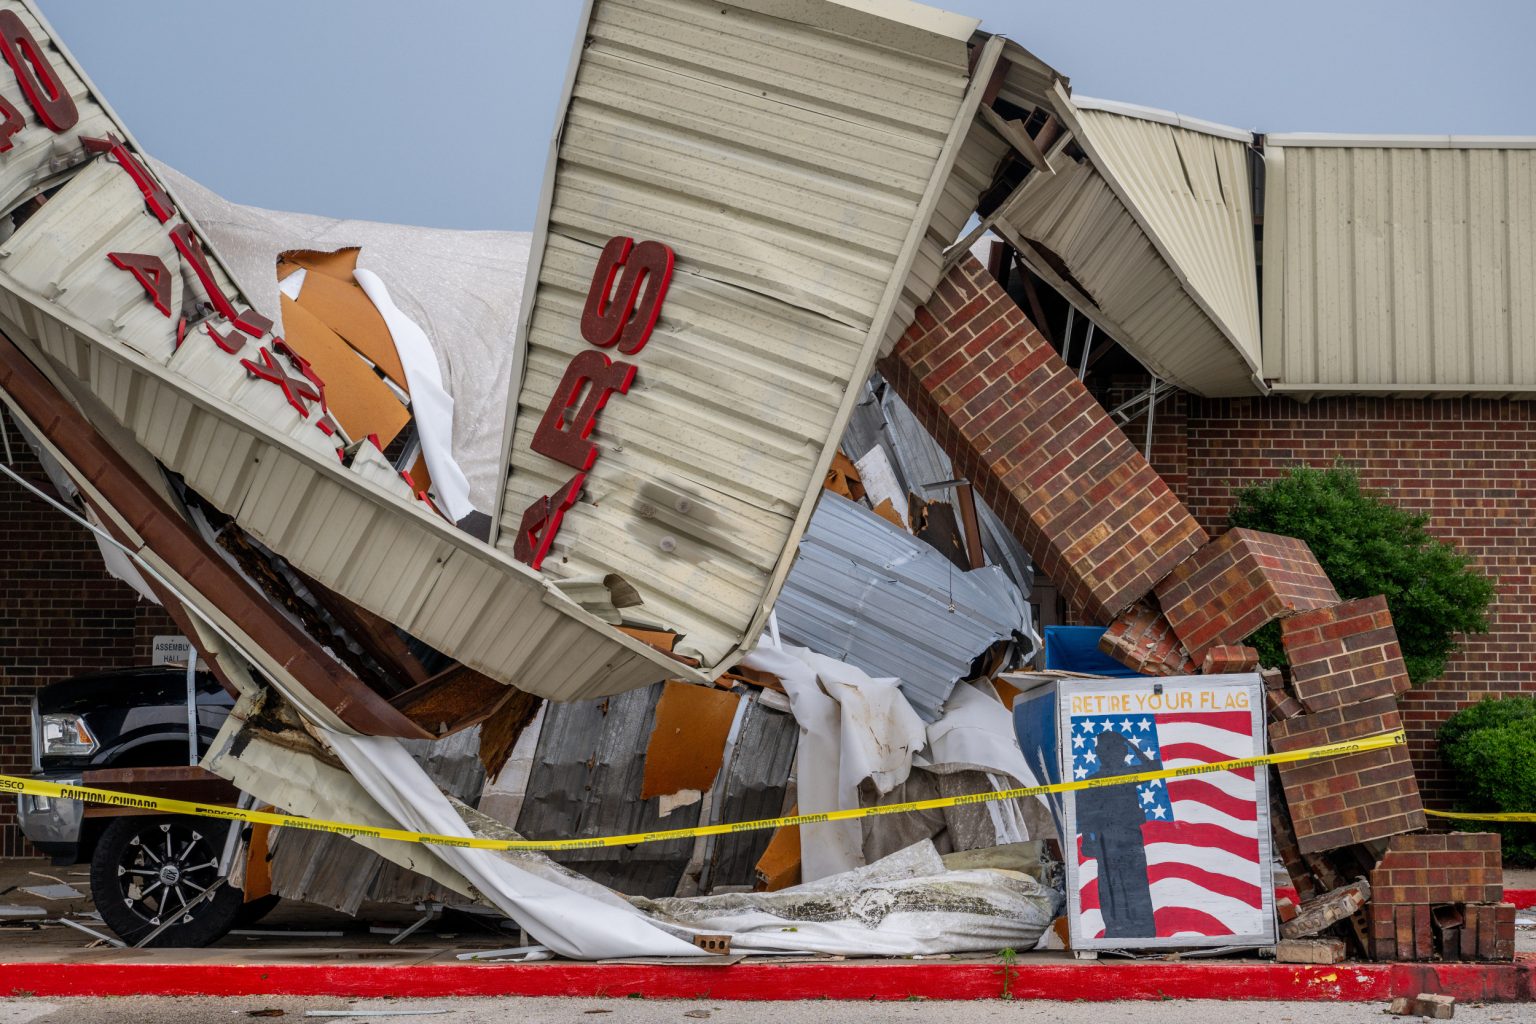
755,246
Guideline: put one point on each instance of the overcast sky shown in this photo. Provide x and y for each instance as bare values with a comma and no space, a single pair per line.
439,113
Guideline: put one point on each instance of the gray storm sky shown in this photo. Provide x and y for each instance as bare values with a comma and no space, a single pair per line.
439,113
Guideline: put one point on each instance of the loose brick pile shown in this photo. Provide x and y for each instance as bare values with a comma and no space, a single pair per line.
1344,654
1242,580
1105,527
1142,640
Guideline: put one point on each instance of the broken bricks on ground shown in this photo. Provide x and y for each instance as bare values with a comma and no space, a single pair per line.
394,539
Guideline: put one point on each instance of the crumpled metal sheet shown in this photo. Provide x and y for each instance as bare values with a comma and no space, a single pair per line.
869,593
463,288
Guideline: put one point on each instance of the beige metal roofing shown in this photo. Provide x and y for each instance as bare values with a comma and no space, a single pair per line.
1144,233
1190,189
793,163
241,445
1400,265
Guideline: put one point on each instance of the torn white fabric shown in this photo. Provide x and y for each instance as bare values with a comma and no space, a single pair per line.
575,924
856,732
431,406
293,284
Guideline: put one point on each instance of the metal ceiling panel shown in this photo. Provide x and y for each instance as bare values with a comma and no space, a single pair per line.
867,592
792,154
1400,265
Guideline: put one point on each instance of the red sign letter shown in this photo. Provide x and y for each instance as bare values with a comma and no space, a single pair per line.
151,272
12,124
604,323
155,197
54,106
564,439
187,243
536,532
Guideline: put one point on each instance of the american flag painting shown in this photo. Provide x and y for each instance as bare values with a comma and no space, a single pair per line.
1176,861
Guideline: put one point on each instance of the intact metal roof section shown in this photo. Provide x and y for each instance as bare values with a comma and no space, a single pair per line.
1190,189
1392,267
791,153
868,593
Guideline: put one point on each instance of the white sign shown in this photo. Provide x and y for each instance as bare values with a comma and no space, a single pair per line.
172,650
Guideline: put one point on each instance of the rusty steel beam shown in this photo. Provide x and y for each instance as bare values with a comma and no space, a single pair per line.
185,552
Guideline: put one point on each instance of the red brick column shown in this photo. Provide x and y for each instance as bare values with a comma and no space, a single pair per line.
1038,448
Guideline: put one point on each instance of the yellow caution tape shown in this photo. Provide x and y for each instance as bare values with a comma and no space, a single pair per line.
1485,816
37,787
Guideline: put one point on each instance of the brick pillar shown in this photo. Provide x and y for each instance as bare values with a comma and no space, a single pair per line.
1017,423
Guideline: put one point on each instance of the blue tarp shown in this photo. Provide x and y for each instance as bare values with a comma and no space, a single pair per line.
1076,649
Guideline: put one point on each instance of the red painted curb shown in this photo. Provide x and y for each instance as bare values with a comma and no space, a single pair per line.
1082,981
1523,899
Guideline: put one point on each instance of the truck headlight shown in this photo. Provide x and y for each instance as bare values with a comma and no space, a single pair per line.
67,736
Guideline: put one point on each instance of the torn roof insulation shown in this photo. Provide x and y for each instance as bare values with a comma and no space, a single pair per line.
867,592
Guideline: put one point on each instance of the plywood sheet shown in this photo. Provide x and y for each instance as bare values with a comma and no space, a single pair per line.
344,308
687,741
338,263
361,402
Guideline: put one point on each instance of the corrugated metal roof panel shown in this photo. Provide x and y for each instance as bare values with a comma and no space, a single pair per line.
1190,189
866,592
1077,234
792,155
1399,269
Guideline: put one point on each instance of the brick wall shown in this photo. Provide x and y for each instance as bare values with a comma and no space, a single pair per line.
60,615
1469,463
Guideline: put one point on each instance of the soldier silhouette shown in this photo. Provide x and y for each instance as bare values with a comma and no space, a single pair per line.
1109,819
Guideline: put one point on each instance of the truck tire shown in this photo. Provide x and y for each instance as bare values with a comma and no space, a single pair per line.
145,870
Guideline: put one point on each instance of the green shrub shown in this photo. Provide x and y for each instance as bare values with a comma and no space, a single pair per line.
1491,749
1369,546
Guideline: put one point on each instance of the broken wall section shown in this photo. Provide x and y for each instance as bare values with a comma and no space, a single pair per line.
1094,516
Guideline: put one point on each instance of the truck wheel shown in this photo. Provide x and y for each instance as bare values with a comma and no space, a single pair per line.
146,870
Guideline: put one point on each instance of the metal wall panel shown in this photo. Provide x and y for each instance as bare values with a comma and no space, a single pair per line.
1401,266
793,163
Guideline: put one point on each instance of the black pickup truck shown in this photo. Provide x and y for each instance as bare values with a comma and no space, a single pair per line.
128,730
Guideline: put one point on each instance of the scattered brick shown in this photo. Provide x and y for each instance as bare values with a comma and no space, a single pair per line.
1229,658
1094,516
1141,640
1344,654
1274,679
1327,910
1237,583
1309,951
1425,1004
1353,798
